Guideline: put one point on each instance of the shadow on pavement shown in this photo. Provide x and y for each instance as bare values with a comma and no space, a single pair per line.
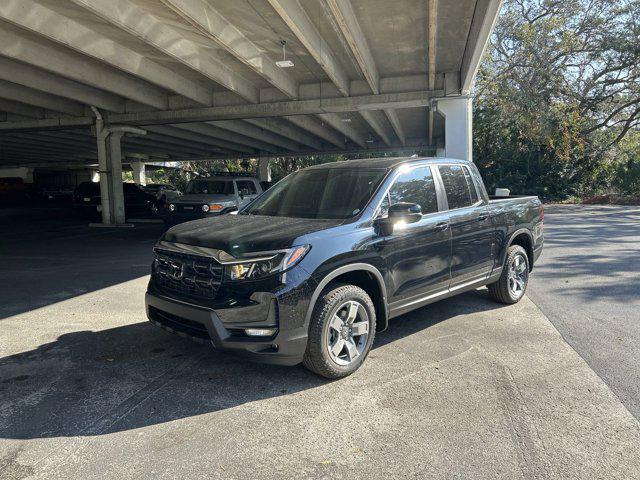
49,255
94,383
592,243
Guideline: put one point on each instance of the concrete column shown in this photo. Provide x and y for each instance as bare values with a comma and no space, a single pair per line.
264,170
117,193
458,128
139,173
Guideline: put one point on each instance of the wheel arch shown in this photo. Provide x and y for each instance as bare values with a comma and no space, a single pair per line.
363,275
524,238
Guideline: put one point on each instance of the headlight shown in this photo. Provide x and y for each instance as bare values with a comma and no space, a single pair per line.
172,207
264,264
205,208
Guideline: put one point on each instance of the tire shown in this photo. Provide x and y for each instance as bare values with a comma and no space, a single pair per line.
338,301
512,284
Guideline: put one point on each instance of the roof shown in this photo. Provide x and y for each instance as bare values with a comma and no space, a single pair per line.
385,162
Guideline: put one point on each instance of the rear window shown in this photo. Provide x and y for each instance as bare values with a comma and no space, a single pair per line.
88,188
211,186
457,187
246,185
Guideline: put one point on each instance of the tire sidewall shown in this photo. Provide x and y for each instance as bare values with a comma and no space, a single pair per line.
350,293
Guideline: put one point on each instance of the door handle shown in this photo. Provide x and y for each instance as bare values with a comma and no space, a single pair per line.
441,226
483,217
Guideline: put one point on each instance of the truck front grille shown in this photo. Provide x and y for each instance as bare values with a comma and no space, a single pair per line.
187,275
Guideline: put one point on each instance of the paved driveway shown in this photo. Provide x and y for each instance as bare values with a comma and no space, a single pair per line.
465,388
588,284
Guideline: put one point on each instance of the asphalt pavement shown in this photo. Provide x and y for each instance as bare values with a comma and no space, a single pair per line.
465,388
588,284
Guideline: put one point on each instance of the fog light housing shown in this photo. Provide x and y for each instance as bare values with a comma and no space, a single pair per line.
259,332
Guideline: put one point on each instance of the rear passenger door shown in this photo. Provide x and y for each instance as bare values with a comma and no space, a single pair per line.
417,255
471,227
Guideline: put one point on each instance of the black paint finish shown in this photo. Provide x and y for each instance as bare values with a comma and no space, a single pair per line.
439,255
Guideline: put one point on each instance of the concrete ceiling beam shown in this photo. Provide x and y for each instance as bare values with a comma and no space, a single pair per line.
345,18
394,120
316,126
40,99
72,65
296,18
212,24
47,23
345,128
224,137
161,35
44,81
284,128
259,133
199,139
484,19
382,101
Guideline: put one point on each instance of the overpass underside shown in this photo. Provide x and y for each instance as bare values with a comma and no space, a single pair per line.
107,82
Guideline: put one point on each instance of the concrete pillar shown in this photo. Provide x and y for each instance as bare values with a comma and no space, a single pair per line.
458,128
139,174
264,170
440,152
117,192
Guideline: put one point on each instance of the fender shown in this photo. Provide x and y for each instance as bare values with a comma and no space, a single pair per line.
511,238
345,269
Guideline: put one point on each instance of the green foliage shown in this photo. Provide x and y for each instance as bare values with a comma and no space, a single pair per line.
558,98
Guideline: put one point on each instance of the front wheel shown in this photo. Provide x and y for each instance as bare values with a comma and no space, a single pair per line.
341,332
512,284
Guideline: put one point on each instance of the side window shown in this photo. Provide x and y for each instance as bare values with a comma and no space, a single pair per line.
471,184
455,183
415,186
247,185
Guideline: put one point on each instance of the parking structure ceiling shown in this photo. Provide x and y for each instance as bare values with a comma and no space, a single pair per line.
206,78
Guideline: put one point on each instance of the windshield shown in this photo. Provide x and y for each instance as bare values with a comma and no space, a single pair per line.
328,193
214,187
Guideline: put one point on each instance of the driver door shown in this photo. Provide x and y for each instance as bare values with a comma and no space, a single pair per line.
417,255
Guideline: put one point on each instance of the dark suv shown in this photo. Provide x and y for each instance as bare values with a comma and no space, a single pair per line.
311,269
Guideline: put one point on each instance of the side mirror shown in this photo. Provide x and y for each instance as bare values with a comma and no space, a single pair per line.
401,212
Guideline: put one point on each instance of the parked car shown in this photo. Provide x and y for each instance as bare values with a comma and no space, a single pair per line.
14,189
164,193
56,193
212,196
314,267
86,199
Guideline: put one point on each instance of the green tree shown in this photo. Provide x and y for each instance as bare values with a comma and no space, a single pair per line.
558,95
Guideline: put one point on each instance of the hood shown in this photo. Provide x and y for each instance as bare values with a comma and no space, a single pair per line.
237,234
203,198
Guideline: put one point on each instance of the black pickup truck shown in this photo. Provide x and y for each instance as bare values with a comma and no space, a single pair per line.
315,266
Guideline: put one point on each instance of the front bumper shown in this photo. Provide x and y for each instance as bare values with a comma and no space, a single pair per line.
224,327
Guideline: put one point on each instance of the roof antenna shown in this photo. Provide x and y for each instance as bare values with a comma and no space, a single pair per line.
284,63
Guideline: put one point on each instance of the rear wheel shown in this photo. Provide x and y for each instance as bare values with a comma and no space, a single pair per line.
512,285
341,332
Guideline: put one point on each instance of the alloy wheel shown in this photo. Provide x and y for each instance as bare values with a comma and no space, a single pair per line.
348,332
518,276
